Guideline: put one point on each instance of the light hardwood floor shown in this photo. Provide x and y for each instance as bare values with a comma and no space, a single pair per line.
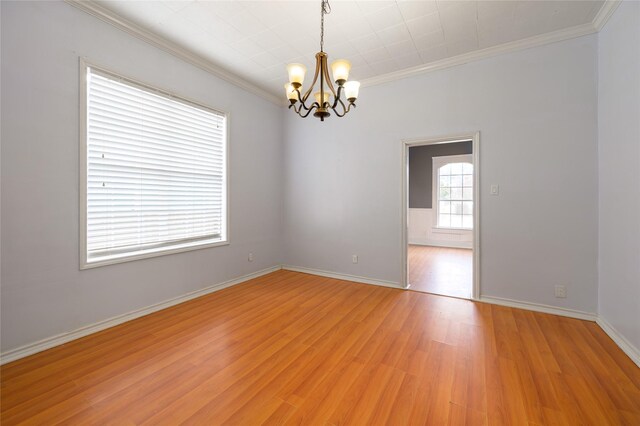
441,270
291,348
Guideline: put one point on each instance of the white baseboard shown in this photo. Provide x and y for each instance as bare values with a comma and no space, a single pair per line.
63,338
538,307
630,350
50,342
626,346
434,243
345,277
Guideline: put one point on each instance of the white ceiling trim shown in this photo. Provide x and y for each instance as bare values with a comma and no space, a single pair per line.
605,13
112,18
596,25
117,21
512,46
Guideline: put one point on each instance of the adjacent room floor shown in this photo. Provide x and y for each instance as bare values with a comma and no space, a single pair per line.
441,270
292,348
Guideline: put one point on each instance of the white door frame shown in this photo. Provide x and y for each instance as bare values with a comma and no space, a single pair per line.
474,137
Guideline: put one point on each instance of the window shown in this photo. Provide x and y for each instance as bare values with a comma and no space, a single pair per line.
454,183
153,172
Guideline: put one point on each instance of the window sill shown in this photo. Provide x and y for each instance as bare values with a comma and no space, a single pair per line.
145,254
443,230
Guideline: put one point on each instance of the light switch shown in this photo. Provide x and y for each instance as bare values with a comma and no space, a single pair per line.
495,189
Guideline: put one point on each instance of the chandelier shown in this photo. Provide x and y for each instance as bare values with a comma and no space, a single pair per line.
324,101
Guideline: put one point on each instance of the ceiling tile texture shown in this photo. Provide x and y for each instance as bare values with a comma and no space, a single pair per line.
256,39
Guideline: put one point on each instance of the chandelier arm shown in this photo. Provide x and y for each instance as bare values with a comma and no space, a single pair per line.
308,111
345,110
315,78
299,109
302,104
295,108
325,71
337,99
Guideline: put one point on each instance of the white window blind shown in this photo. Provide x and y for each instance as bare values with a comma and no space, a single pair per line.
155,170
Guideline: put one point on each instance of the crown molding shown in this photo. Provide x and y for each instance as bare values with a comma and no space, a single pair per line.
178,51
599,21
605,13
106,15
514,46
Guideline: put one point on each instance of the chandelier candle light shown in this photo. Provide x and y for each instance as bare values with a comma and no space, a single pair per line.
323,99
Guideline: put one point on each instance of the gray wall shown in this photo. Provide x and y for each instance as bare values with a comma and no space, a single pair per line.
535,107
421,169
618,169
43,291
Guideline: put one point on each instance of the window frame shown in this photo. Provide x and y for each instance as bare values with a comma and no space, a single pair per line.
437,163
224,240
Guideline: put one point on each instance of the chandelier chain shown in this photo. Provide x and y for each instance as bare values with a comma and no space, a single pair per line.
325,8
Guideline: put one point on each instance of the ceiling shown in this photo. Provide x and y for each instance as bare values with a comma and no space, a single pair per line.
256,39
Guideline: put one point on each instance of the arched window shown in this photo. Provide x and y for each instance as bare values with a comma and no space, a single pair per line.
455,195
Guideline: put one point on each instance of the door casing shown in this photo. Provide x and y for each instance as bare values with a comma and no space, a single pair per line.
474,137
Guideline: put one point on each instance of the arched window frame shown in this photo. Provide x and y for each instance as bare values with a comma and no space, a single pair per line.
438,163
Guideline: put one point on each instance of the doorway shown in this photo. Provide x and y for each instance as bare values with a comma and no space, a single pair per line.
440,203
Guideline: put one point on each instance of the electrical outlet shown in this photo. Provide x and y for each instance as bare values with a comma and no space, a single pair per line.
561,291
354,258
250,259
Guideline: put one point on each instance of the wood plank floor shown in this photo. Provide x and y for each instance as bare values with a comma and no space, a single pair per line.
291,348
441,270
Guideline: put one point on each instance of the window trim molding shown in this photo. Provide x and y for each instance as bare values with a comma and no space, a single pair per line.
84,64
436,164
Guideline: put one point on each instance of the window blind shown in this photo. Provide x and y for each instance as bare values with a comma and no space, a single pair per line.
155,170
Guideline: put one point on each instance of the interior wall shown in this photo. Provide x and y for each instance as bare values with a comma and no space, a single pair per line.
421,170
534,107
421,230
43,291
619,172
422,220
341,178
